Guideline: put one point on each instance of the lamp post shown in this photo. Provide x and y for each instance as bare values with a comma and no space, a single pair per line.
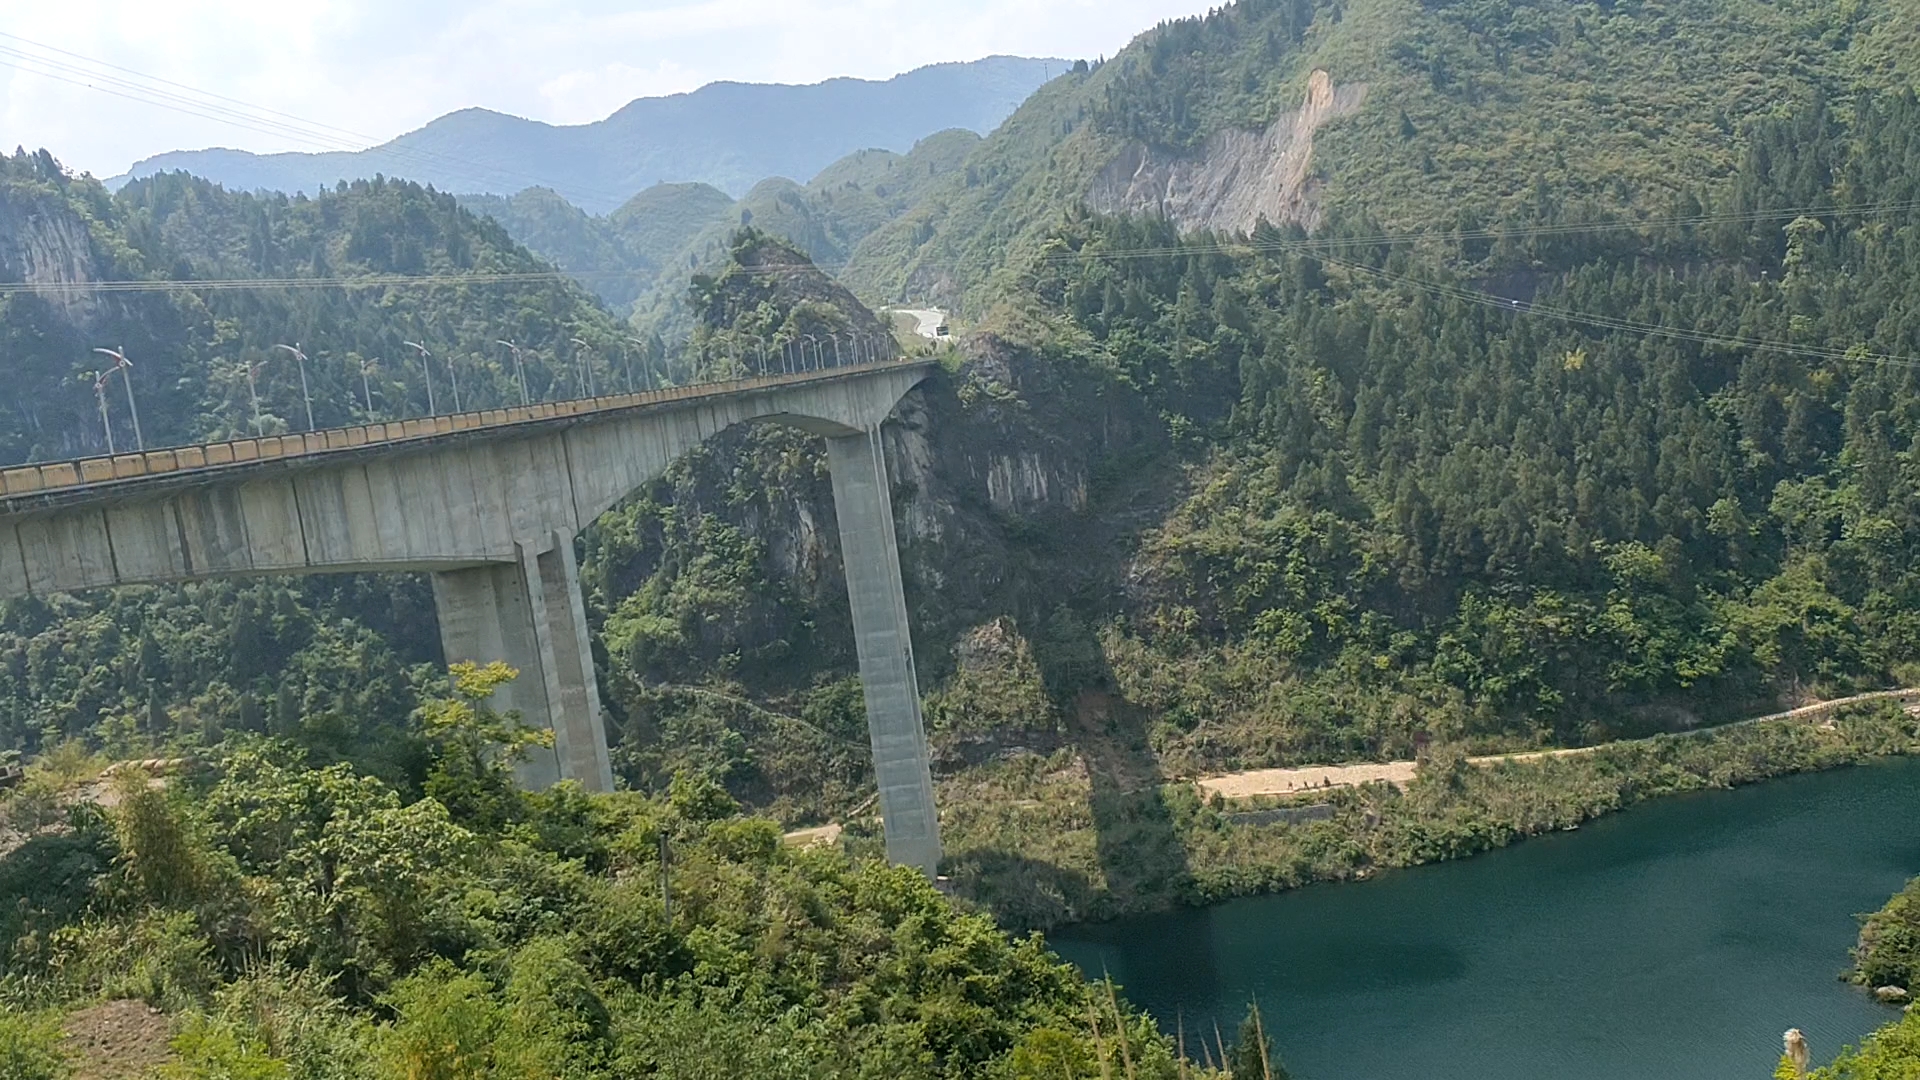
366,388
125,368
425,369
300,359
253,392
586,367
453,376
100,395
836,349
815,342
646,363
519,368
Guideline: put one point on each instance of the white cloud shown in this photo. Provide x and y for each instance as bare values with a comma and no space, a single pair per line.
381,67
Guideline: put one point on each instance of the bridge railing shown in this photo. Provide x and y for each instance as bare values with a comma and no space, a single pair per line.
38,479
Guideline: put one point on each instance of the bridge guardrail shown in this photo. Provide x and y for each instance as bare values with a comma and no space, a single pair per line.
39,479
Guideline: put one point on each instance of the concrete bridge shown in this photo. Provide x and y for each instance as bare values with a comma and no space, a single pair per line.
489,503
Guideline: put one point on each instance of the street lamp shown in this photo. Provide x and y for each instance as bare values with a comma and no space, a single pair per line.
586,368
836,349
125,367
519,369
366,388
100,395
816,351
253,392
453,376
646,364
426,370
300,359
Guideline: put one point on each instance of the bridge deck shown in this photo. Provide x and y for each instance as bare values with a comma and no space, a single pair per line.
24,488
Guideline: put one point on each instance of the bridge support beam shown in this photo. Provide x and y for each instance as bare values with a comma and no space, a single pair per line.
863,504
529,614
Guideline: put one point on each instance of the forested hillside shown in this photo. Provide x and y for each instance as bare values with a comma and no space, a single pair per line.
1435,115
333,664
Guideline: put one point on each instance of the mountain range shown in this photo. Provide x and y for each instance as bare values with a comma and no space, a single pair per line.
728,135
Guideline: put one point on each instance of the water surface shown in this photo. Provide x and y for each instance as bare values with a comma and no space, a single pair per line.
1675,941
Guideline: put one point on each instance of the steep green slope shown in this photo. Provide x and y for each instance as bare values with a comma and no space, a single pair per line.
192,347
598,256
659,223
1440,115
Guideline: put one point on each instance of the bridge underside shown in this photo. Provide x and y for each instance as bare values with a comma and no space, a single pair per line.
491,513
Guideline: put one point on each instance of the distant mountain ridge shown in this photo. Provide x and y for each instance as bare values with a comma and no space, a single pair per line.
654,240
727,134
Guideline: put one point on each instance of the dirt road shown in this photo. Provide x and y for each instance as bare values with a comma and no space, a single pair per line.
1257,782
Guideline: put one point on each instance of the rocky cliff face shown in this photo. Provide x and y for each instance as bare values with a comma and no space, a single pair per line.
1238,178
44,242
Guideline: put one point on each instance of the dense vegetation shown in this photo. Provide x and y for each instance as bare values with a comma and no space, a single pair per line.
1889,949
312,922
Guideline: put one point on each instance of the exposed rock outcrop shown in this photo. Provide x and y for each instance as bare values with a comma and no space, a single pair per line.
1238,177
43,242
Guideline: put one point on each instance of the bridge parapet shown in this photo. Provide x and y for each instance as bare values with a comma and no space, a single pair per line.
21,483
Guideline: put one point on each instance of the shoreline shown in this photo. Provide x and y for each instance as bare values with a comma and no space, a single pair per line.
1033,848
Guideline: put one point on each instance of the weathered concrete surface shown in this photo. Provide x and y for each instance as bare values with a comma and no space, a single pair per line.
491,509
863,503
529,614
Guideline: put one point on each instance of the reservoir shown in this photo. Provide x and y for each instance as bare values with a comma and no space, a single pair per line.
1674,940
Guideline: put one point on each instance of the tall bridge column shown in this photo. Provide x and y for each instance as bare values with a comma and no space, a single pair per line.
863,504
529,614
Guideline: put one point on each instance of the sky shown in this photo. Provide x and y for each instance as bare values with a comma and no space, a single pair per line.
345,74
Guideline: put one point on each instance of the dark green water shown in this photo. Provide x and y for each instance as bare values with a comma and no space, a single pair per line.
1675,941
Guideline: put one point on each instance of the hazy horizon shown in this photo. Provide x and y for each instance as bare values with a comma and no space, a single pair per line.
103,84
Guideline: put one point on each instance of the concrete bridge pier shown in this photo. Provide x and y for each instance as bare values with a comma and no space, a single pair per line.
863,503
529,614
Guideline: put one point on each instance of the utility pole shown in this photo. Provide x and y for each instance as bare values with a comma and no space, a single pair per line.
519,369
125,367
300,359
425,369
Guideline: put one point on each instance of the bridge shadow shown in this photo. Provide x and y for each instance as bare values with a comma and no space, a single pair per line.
1142,857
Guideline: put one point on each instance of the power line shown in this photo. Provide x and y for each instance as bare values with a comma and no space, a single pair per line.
1307,246
1607,322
